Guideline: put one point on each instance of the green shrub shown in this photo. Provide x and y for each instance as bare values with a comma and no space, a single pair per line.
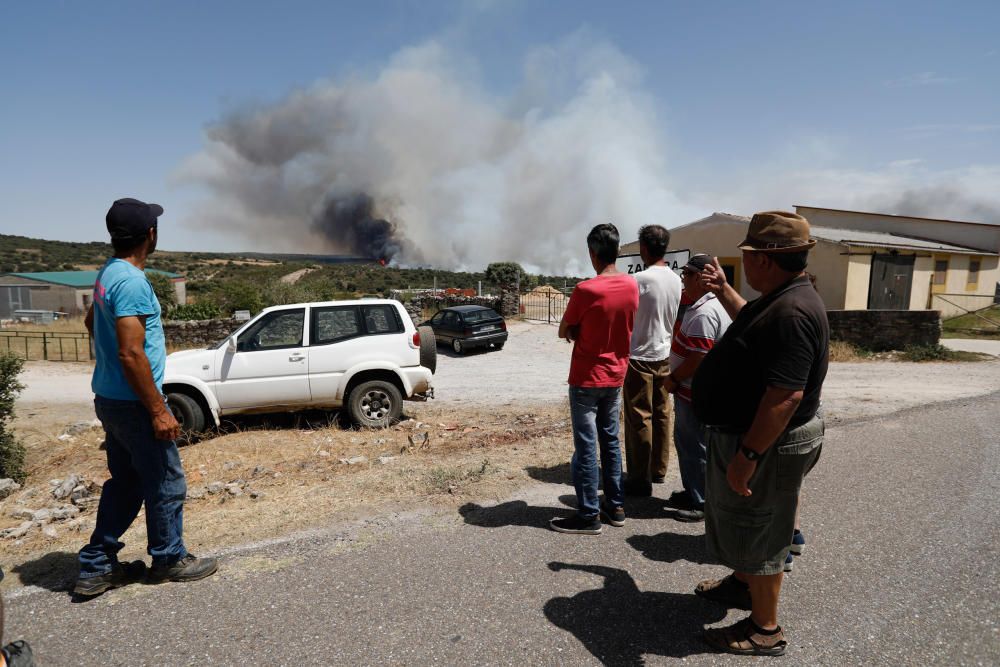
927,353
232,296
163,287
12,452
201,310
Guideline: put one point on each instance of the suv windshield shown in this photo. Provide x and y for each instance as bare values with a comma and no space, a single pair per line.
481,316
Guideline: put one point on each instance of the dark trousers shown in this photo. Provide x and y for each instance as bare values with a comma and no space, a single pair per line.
647,420
143,470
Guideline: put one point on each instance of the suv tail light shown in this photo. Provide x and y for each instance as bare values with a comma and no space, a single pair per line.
503,325
416,339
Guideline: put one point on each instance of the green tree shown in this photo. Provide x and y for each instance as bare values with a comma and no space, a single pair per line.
12,452
508,274
163,287
235,295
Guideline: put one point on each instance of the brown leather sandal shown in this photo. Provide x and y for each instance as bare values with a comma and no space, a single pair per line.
742,638
728,591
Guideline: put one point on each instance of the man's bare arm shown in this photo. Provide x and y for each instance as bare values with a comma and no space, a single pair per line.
689,367
568,331
713,279
88,321
774,412
132,353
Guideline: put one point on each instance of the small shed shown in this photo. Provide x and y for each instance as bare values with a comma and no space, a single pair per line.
60,291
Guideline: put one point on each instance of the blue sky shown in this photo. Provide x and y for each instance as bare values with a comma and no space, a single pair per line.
106,99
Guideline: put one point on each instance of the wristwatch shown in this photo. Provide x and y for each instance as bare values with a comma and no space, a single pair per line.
749,453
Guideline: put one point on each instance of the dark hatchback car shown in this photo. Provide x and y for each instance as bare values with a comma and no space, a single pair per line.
468,327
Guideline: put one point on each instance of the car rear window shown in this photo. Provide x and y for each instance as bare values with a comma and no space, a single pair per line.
475,316
382,319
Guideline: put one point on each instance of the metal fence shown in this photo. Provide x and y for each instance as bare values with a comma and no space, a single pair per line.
544,305
47,345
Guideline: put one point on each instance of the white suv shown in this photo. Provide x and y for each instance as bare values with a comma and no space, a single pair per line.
366,355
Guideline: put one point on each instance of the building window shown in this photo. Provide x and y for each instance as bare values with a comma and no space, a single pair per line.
940,280
972,282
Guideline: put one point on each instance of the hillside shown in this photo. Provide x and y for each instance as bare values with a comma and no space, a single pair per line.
226,278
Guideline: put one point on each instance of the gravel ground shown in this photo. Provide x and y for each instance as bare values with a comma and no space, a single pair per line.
533,366
532,369
889,576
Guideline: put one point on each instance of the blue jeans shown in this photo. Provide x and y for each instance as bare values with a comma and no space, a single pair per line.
143,469
691,454
595,413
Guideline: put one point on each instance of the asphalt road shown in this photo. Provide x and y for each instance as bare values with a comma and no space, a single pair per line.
902,517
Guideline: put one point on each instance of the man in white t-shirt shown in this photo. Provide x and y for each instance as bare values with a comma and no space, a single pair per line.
647,403
704,322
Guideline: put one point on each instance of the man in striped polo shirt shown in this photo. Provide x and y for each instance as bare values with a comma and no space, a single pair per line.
704,322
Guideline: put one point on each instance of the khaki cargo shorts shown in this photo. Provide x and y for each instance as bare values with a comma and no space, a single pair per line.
753,534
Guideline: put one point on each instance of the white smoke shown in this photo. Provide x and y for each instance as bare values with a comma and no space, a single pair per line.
458,177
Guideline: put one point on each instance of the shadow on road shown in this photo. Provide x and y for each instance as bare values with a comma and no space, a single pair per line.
671,547
55,571
557,474
513,513
619,624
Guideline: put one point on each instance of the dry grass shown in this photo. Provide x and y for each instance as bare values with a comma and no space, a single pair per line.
841,351
300,477
66,325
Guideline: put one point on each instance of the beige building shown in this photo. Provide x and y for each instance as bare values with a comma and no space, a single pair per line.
872,260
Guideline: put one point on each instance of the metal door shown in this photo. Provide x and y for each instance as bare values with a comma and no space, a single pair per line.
891,281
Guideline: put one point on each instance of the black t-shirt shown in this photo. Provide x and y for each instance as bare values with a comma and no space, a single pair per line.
779,340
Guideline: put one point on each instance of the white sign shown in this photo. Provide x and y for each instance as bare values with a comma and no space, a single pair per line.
675,259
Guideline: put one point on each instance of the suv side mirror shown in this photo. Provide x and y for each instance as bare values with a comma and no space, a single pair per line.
231,345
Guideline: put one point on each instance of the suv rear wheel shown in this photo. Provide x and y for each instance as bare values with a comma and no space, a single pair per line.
188,413
375,404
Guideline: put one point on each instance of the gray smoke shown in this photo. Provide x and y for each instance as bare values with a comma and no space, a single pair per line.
422,164
944,201
352,219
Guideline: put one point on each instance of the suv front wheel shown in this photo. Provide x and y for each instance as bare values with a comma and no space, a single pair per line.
188,414
375,404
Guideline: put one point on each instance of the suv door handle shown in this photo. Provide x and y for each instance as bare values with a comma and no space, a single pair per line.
296,357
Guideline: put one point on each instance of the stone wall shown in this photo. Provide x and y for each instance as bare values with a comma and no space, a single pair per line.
885,329
198,333
419,303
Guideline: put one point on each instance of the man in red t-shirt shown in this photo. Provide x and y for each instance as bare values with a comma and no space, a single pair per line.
598,321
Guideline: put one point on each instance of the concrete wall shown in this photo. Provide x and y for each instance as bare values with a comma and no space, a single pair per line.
981,236
953,305
180,290
858,283
923,271
45,296
829,262
885,329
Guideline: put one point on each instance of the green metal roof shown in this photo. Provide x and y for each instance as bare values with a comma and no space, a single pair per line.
77,279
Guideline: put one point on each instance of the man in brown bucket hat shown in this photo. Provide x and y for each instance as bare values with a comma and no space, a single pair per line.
758,393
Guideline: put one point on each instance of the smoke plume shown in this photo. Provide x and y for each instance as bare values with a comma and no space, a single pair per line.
422,165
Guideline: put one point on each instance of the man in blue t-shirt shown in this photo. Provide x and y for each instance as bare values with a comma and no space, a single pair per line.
140,430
